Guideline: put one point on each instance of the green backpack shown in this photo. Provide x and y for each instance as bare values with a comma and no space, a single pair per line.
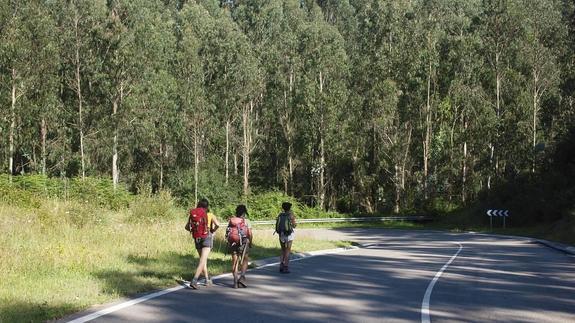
283,224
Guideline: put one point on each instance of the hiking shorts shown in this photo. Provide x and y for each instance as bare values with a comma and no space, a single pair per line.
236,248
207,242
287,237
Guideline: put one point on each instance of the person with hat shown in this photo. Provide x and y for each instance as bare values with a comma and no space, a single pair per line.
285,224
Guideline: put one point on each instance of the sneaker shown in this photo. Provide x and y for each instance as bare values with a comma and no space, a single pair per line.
209,283
242,281
193,284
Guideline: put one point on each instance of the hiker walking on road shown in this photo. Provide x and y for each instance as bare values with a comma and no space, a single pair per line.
285,224
202,225
239,237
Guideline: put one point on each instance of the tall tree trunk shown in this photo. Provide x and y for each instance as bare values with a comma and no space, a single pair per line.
236,163
492,157
290,143
115,107
322,173
405,156
115,175
43,134
288,134
247,144
79,94
464,168
535,111
196,165
12,133
227,149
427,137
397,189
290,169
161,165
321,184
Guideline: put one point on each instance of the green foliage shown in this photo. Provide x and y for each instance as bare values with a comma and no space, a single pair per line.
29,190
152,208
100,191
362,106
439,206
267,205
211,185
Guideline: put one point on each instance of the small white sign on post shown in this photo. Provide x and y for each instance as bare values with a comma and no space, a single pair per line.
501,213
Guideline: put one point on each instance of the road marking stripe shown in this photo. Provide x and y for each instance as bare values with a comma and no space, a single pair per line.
425,318
123,305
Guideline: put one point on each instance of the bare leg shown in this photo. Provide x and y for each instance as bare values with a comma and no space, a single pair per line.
203,264
235,269
282,255
286,253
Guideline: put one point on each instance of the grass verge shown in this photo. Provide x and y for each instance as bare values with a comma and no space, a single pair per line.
63,257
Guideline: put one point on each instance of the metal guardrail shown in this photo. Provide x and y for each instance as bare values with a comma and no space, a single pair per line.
358,219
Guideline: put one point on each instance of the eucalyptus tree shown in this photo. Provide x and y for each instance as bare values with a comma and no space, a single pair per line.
233,79
15,43
544,31
429,14
4,76
194,24
322,92
42,99
153,104
499,28
121,45
383,130
270,28
79,22
464,116
27,36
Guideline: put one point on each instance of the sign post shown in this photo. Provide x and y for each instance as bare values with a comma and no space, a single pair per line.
501,213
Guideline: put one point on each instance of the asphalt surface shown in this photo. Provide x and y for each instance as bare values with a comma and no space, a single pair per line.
489,279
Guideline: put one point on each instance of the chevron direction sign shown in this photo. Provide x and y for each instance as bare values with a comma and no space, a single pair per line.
498,212
493,213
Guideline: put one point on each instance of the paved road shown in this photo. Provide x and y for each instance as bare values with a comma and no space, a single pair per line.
467,277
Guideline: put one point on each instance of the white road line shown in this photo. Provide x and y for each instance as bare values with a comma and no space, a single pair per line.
425,318
123,305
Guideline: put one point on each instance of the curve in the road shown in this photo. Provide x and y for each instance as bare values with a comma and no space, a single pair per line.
425,317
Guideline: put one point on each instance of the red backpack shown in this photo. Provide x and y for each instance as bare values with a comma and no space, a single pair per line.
237,231
199,223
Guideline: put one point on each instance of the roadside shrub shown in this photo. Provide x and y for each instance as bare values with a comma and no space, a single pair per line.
438,206
19,198
211,185
268,205
29,190
317,213
53,213
152,208
99,191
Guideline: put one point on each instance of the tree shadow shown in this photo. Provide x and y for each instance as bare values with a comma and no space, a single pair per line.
17,311
153,273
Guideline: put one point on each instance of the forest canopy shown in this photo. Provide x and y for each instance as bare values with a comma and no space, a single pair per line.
349,105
